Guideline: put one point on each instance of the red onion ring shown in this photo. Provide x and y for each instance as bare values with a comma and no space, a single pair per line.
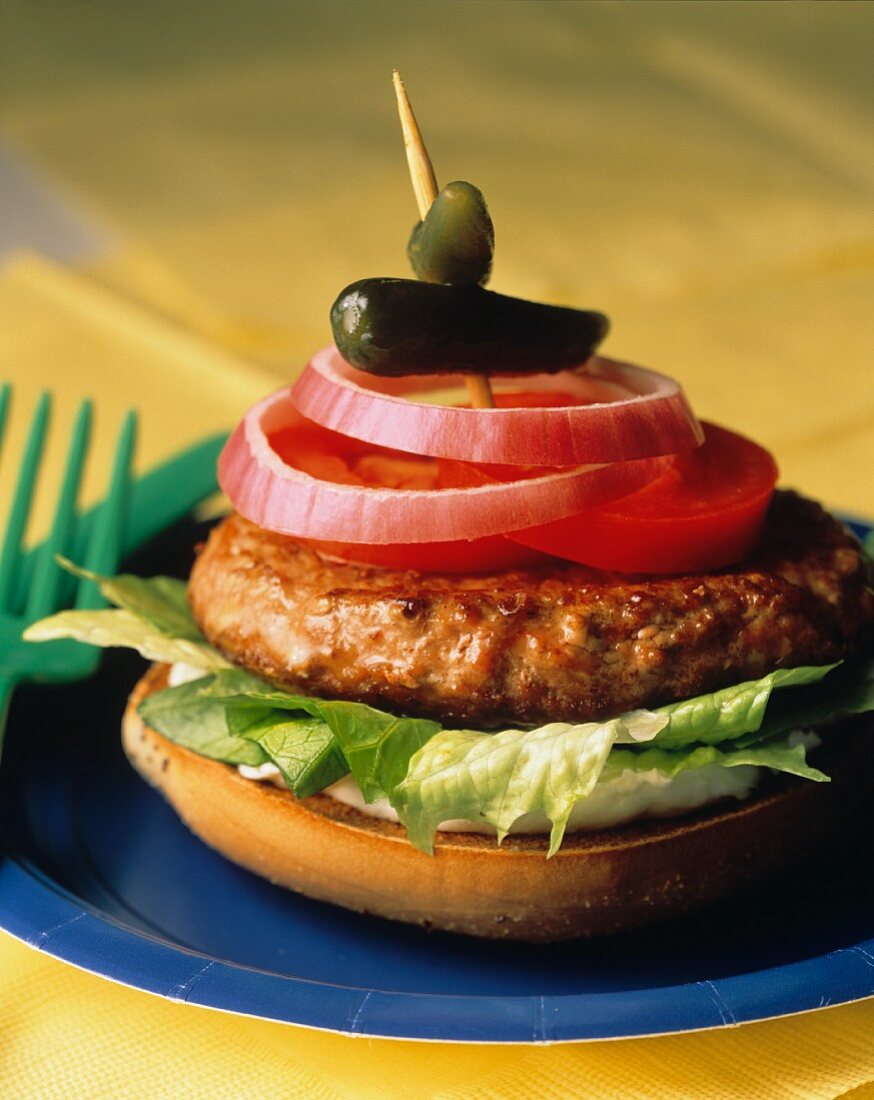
636,413
279,497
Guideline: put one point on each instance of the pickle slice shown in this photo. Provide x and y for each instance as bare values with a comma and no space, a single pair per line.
456,241
400,326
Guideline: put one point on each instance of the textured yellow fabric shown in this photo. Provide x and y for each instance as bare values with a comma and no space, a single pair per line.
64,332
702,172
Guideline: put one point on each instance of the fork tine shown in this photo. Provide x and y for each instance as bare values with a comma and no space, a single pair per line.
44,592
5,397
21,501
104,544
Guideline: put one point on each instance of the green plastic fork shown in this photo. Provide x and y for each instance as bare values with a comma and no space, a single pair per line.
29,594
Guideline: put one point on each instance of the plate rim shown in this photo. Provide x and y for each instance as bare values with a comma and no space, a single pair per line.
45,917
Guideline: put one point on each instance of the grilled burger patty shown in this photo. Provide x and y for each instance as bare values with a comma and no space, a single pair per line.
567,643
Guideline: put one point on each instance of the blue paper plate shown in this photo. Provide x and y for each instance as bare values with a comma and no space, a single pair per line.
98,871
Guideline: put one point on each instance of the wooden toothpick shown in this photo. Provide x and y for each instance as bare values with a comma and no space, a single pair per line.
425,188
421,170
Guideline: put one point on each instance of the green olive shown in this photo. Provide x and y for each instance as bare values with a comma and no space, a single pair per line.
401,326
456,241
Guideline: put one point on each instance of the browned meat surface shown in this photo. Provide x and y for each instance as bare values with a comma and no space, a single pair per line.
573,643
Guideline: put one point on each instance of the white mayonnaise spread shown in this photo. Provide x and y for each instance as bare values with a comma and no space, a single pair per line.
625,797
629,796
183,674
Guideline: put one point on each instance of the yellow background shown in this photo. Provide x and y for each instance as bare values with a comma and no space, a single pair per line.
702,172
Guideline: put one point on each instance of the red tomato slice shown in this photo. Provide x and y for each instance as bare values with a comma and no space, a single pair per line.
488,555
705,512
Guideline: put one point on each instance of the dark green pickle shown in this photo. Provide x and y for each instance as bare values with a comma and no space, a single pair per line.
401,326
456,241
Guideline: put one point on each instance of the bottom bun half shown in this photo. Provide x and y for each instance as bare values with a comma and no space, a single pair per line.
598,883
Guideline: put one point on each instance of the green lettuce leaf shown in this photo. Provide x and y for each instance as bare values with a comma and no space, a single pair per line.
303,748
184,717
501,776
498,778
376,746
128,630
847,691
234,685
161,601
731,712
774,753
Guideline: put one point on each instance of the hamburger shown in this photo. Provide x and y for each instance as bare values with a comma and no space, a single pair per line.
545,751
555,665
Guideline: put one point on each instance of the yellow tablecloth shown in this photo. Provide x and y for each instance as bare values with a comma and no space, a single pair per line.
703,172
